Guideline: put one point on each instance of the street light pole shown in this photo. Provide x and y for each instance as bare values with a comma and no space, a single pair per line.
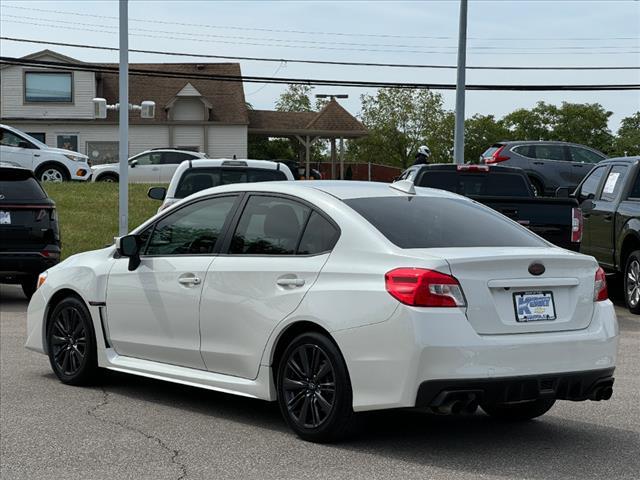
458,138
123,211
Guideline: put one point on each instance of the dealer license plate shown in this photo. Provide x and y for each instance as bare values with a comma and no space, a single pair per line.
5,218
534,306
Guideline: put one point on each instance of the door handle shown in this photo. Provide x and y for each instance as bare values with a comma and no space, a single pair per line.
608,218
189,281
290,282
576,165
538,163
36,154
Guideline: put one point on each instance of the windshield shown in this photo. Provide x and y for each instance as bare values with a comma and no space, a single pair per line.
432,222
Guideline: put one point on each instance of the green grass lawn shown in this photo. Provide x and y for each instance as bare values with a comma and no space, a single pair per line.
88,212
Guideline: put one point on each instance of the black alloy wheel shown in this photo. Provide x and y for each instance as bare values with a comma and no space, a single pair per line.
314,391
309,386
70,342
632,282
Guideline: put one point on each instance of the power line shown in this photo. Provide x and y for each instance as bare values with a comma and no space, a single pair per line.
312,42
314,62
262,44
306,32
308,81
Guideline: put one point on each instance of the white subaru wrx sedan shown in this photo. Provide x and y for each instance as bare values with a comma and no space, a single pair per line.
333,298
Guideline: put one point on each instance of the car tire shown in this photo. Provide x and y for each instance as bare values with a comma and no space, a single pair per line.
538,189
314,390
28,285
108,178
71,344
632,282
52,173
518,411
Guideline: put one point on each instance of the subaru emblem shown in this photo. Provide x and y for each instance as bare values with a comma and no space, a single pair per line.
536,269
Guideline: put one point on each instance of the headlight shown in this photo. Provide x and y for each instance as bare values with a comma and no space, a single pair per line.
41,279
74,158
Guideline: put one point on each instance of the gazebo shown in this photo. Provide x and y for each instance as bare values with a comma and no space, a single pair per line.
332,122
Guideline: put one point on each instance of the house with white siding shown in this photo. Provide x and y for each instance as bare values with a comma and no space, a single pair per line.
55,106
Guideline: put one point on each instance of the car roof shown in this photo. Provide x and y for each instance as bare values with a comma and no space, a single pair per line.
234,163
168,149
340,189
620,160
454,167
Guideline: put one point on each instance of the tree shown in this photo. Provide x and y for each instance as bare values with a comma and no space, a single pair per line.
531,124
296,98
399,121
628,140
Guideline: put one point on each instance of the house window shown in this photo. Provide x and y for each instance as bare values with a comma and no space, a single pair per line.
40,136
102,152
48,87
68,142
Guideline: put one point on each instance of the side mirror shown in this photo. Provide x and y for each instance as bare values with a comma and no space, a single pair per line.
157,193
562,192
129,246
133,163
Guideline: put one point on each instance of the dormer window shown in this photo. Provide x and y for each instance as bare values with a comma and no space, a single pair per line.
48,87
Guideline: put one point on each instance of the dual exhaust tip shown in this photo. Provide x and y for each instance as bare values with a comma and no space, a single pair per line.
601,392
455,403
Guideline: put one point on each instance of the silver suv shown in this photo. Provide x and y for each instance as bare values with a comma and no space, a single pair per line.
549,165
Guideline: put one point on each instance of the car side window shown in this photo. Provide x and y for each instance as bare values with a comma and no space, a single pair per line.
590,186
152,158
579,154
192,230
614,182
175,158
10,139
269,226
635,190
549,152
319,236
525,150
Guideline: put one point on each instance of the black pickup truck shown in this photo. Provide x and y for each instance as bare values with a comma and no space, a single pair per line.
507,190
610,200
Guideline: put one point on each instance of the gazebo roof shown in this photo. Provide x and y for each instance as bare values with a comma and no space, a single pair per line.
333,121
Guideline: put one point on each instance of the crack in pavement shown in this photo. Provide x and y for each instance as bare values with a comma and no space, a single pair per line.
173,452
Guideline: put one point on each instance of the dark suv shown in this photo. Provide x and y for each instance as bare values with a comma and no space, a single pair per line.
549,165
29,236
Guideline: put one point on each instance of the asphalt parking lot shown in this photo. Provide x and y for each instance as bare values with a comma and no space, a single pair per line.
137,428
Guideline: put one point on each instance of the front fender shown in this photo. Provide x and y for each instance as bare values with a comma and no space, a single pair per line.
629,231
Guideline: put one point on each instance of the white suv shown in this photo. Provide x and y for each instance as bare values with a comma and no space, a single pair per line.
49,164
150,166
194,176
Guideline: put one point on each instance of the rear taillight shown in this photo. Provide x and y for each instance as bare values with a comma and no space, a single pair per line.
420,287
600,288
497,156
577,225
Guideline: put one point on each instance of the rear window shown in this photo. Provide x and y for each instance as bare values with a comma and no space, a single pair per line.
18,185
427,222
491,150
488,184
197,179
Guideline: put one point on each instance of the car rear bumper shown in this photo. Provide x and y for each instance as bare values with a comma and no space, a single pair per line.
17,265
576,386
389,362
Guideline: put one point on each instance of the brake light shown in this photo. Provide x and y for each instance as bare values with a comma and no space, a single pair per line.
577,225
497,156
600,288
472,168
420,287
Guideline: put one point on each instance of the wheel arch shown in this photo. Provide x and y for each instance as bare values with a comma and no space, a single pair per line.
630,243
55,299
107,174
53,163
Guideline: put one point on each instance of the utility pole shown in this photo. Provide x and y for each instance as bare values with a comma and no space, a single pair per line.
123,210
458,138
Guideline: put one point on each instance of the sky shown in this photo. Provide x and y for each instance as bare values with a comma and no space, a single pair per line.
516,32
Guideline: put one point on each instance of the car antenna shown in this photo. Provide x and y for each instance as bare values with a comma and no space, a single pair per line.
405,186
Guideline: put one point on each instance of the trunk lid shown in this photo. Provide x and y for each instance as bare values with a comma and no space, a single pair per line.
492,278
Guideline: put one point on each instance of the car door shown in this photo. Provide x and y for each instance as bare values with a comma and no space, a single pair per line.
551,161
273,258
582,161
586,195
602,215
169,164
145,168
153,311
16,150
